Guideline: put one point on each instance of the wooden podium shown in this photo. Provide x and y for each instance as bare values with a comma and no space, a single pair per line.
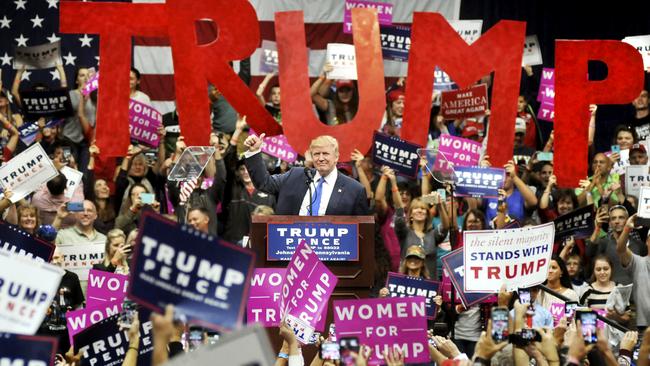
355,277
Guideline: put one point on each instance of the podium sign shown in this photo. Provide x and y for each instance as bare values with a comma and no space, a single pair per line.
331,241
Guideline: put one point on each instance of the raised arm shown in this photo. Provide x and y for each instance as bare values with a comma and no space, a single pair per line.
16,86
543,202
624,253
530,200
62,76
260,89
357,157
321,82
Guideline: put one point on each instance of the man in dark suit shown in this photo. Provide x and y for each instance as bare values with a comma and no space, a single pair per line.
305,191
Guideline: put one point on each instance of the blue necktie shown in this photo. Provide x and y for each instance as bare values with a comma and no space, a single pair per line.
317,196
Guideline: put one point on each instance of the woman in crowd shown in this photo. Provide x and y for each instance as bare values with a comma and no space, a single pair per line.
602,288
419,230
132,207
28,218
341,106
557,280
116,253
392,123
385,211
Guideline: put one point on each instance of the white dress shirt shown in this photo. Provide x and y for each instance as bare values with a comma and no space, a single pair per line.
328,187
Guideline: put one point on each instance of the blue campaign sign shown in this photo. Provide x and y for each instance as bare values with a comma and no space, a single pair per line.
454,263
442,81
399,155
29,131
103,343
27,350
13,239
206,279
577,223
478,182
395,42
400,285
331,241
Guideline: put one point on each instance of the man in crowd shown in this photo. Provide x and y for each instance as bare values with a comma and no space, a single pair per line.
84,231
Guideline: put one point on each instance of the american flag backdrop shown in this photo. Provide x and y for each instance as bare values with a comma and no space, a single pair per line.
33,22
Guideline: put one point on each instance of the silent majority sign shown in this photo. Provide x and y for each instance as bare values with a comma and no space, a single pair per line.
517,257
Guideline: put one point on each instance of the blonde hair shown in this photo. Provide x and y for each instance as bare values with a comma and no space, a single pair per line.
263,210
113,234
419,203
325,140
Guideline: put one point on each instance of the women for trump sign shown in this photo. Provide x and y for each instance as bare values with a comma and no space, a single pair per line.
383,324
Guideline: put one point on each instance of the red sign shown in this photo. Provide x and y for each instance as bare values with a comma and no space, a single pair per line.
465,103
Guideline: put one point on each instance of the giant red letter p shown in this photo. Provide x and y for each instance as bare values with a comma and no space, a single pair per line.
574,93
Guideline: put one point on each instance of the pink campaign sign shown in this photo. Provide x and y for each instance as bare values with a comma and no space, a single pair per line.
263,305
458,151
557,310
264,296
144,121
278,146
91,85
384,12
81,319
105,286
385,323
307,287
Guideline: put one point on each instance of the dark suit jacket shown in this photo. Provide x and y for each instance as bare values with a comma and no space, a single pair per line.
348,196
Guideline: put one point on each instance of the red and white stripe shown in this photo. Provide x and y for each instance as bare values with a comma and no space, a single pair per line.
323,25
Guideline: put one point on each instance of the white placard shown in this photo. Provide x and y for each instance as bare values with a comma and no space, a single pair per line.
469,30
74,178
80,258
644,203
532,52
43,56
636,176
27,291
642,44
24,173
517,257
342,57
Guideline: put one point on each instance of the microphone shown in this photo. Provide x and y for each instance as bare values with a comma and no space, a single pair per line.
309,174
310,180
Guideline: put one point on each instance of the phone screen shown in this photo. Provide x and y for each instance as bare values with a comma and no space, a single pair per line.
127,315
524,296
195,338
347,345
588,321
147,198
330,351
500,318
570,309
528,334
